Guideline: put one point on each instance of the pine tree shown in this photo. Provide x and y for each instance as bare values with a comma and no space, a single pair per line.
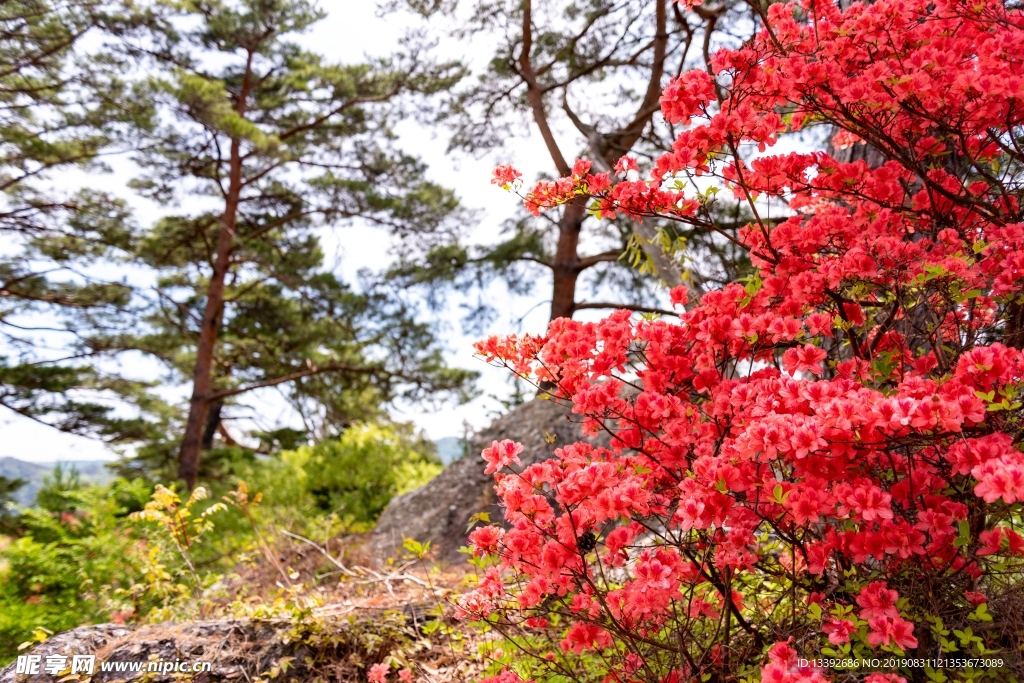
266,143
587,80
62,106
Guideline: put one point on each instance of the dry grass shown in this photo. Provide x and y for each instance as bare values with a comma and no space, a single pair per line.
335,617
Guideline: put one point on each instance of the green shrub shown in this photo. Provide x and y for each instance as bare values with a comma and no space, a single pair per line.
73,561
8,517
77,558
356,474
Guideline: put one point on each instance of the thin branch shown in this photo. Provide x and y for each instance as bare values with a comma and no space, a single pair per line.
604,256
628,307
309,372
535,95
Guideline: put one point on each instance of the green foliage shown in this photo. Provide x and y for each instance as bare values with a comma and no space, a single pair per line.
59,493
184,525
129,551
73,562
46,71
356,474
63,101
340,483
8,487
92,554
313,146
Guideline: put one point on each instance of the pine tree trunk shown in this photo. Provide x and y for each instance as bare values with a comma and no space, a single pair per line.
213,412
566,264
202,376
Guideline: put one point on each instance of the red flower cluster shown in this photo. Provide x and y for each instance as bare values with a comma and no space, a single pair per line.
801,454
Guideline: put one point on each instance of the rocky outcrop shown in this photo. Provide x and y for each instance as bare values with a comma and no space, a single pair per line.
236,649
334,642
440,512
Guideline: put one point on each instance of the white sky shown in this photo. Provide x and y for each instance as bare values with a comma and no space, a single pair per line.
351,31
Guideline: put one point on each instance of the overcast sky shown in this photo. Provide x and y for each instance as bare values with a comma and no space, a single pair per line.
351,31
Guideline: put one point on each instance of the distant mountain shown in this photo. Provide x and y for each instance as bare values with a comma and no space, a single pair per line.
90,471
450,449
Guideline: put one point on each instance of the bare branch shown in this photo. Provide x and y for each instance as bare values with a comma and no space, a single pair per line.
627,307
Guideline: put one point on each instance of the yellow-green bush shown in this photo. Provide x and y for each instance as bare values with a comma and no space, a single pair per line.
76,557
356,474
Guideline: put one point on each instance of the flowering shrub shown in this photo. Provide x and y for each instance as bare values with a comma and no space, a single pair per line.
813,475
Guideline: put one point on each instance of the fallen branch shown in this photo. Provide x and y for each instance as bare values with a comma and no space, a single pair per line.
359,572
322,550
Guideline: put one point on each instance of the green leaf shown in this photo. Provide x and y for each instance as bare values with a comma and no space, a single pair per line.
964,535
980,613
481,517
418,549
780,494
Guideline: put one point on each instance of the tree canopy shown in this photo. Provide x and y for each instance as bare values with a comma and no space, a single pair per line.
252,146
63,105
587,81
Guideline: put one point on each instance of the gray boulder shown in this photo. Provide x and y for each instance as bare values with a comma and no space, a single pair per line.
440,511
232,646
327,644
